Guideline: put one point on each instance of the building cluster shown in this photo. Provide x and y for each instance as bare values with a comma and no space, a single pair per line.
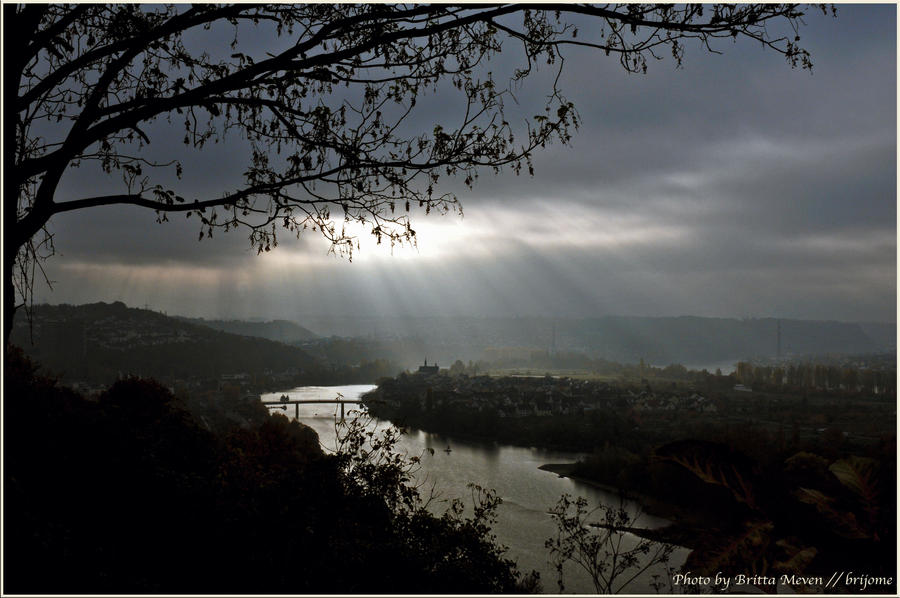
686,401
113,334
513,396
115,331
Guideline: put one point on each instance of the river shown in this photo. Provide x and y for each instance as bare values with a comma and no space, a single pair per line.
523,524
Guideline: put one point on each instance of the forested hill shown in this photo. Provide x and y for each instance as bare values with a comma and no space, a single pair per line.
100,341
283,331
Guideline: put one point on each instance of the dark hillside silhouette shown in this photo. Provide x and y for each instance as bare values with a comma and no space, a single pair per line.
128,494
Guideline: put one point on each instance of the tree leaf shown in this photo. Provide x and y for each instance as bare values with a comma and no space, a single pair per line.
797,559
860,475
842,523
714,464
737,553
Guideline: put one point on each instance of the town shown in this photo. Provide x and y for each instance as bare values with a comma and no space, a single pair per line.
528,396
569,412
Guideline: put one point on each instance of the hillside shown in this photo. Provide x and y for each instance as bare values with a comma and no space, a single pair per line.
283,331
99,342
129,492
882,333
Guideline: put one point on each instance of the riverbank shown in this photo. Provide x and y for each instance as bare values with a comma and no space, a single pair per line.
508,469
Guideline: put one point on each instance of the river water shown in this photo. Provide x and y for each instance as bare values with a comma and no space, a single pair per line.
523,524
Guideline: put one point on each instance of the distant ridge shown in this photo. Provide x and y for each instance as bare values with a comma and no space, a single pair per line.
690,339
100,341
882,333
625,339
283,331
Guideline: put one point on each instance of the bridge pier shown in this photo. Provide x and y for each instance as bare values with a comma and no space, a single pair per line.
283,404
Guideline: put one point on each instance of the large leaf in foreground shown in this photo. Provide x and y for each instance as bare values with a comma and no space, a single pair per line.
860,475
744,552
715,464
843,523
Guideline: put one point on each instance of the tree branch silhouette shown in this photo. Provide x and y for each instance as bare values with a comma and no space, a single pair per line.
322,96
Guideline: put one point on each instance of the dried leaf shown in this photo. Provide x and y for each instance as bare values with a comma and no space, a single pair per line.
738,553
859,474
842,523
796,559
714,464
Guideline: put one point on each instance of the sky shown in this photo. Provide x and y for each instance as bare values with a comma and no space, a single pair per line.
732,187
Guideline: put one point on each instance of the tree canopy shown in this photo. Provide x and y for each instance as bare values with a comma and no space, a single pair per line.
323,97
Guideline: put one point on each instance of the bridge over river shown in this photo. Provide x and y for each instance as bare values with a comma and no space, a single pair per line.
286,400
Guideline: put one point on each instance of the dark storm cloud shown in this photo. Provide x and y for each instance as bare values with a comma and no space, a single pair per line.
127,235
668,120
734,186
130,236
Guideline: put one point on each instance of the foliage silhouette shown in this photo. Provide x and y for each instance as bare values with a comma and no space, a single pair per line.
804,517
600,548
128,494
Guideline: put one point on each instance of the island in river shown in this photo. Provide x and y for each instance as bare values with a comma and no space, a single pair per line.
789,478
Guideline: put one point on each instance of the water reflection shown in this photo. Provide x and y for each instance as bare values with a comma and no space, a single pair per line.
528,493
